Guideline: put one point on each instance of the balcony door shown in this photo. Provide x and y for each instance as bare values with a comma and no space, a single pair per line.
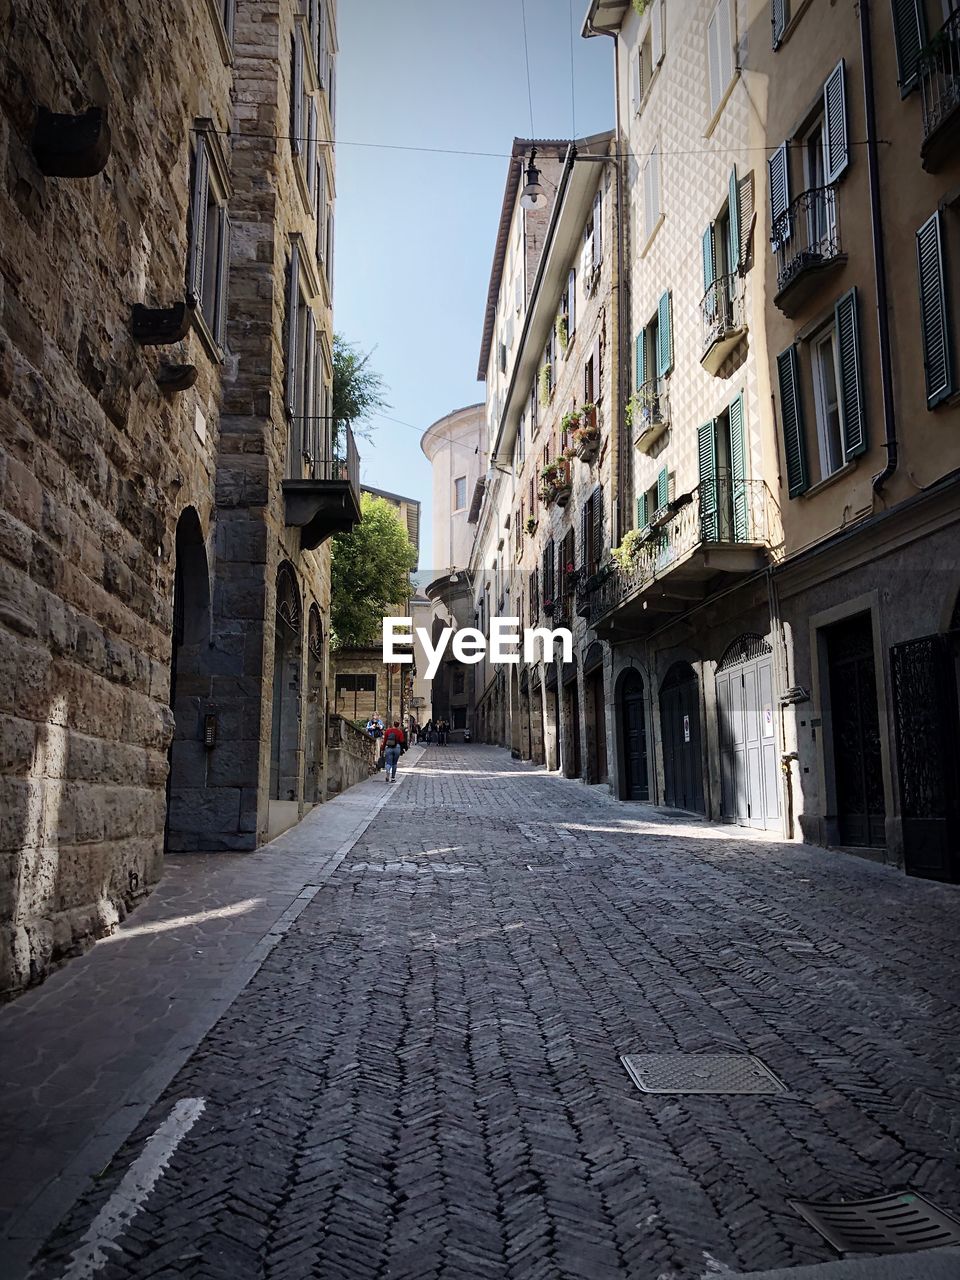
821,211
723,488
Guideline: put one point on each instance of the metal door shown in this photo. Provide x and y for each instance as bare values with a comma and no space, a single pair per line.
924,678
680,729
635,784
861,810
749,790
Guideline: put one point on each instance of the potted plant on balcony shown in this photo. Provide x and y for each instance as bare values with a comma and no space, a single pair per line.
586,435
628,552
544,382
531,525
555,482
563,335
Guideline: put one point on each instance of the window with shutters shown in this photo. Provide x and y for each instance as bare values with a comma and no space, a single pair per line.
652,211
303,110
720,55
304,388
935,302
826,378
647,57
591,532
566,570
567,314
779,20
208,254
223,15
592,255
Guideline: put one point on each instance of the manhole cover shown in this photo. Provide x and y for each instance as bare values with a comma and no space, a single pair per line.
701,1073
899,1223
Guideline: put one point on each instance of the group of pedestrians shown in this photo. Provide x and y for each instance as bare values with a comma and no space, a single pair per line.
394,741
437,733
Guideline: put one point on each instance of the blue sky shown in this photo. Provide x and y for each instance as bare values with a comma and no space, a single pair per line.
415,232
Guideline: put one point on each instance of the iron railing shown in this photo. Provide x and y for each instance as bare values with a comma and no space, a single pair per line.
939,70
807,233
721,309
651,406
308,459
721,511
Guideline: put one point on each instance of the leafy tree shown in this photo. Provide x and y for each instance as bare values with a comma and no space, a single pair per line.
369,573
358,390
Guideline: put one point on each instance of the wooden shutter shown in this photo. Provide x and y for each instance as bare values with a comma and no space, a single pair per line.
586,524
851,381
836,149
664,336
293,301
733,205
656,33
738,471
229,19
910,36
312,148
713,61
223,278
791,420
198,222
640,346
598,369
707,452
779,194
778,18
322,42
596,532
635,82
571,303
597,229
708,257
663,488
296,90
642,520
934,324
548,570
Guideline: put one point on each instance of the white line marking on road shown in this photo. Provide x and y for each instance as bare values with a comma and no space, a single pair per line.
131,1195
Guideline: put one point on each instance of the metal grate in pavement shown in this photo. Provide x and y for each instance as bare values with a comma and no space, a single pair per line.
898,1223
701,1073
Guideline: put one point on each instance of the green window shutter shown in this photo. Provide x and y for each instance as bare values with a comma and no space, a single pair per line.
934,321
791,420
709,258
910,35
779,195
778,18
707,449
664,336
738,472
734,207
836,148
663,488
851,382
641,358
642,520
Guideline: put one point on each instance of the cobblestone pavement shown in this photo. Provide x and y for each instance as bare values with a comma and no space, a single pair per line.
423,1078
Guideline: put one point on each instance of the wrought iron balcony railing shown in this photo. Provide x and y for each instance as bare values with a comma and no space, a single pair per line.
722,315
939,71
718,513
649,412
322,489
807,234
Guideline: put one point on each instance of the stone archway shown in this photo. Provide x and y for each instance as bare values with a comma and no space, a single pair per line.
316,718
285,738
189,686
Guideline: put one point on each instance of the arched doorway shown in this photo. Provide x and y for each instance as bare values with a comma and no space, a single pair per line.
680,731
634,778
285,736
749,785
572,760
189,685
595,717
316,711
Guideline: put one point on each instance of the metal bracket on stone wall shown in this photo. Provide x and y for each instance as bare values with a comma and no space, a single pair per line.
160,326
71,146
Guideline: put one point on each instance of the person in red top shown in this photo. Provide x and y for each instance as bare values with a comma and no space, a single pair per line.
393,744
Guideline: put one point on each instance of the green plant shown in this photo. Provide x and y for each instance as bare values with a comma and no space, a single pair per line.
563,335
369,573
626,554
640,7
571,421
531,525
358,390
544,380
631,409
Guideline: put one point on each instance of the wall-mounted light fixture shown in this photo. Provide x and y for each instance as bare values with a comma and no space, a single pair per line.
210,730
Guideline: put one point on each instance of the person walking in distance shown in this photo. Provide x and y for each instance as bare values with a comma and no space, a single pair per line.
394,743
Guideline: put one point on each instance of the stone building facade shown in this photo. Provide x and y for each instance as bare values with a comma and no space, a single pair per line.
168,469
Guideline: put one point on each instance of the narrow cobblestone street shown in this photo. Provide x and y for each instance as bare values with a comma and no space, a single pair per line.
424,1079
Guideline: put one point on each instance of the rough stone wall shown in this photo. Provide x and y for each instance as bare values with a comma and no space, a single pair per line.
96,463
352,755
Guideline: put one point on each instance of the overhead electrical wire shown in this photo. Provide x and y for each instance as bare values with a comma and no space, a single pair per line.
526,59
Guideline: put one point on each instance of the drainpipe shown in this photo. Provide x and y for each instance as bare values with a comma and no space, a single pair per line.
879,263
618,455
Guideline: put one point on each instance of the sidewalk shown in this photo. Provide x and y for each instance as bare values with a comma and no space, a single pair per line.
928,1264
84,1056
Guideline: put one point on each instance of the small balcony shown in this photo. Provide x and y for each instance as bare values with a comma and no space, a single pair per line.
555,483
324,498
650,414
939,72
723,321
704,541
807,242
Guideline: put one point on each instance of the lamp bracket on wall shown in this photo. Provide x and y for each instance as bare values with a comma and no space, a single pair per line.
71,146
